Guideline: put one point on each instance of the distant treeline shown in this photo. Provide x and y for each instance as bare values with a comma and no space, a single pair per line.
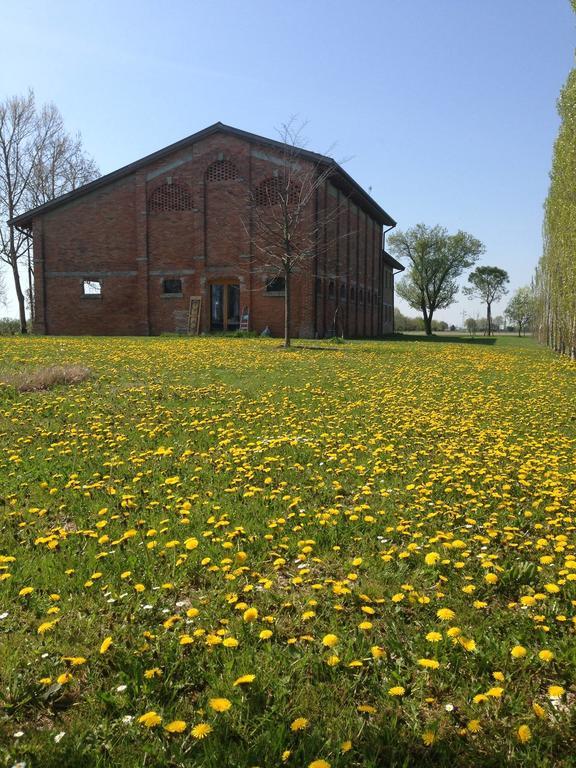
556,273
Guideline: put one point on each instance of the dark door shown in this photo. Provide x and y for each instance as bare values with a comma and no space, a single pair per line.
224,307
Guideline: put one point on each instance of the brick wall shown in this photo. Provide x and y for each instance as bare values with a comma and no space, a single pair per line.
122,238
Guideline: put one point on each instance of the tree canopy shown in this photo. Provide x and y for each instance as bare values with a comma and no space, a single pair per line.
521,308
436,260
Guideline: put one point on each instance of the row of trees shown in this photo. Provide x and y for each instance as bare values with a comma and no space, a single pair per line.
556,272
435,261
39,160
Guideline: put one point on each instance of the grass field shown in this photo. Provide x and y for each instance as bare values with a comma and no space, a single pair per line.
214,553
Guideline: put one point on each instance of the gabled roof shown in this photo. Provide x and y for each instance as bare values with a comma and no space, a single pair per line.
25,219
391,261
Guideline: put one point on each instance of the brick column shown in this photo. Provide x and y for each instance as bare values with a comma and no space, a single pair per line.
40,320
142,267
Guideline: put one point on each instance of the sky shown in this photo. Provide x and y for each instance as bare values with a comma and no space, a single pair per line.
444,110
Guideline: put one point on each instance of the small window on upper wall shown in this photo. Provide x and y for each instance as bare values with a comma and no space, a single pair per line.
276,285
331,289
172,286
343,291
352,293
361,296
92,288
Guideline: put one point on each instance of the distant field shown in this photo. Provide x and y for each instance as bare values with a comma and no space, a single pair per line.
217,553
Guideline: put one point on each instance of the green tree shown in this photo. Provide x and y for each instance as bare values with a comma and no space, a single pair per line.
489,285
471,325
436,261
521,309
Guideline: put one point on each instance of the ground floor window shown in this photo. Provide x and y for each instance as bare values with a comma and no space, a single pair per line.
276,285
92,287
172,285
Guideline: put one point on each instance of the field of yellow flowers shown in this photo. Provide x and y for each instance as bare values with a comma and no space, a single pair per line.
214,552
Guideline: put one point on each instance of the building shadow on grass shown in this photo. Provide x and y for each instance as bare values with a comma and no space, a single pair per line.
441,339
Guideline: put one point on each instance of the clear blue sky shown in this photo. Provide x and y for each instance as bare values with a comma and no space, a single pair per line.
445,109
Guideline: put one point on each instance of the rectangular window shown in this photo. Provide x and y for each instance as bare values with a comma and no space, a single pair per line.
92,287
172,286
276,285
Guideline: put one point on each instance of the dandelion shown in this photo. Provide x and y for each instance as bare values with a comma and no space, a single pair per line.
220,705
299,724
429,663
64,678
106,643
428,737
244,680
545,655
555,691
524,734
518,652
266,634
434,637
201,730
445,614
330,641
176,726
474,726
397,690
250,614
150,719
346,746
319,764
495,693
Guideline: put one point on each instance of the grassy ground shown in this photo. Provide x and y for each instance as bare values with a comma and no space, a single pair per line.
363,556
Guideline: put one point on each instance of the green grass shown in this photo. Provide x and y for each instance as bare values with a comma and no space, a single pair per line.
373,482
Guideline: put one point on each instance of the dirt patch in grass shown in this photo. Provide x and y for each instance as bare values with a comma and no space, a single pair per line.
45,378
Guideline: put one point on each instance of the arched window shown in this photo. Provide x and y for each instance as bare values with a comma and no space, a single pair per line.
343,291
352,293
273,190
170,197
331,289
221,170
361,295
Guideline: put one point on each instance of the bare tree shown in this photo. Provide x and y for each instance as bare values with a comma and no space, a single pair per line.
38,161
285,229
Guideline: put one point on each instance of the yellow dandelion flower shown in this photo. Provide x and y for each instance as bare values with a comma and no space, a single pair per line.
244,680
555,691
346,746
397,690
333,660
191,543
429,663
445,614
428,737
201,730
220,705
538,710
250,614
106,643
524,734
518,652
319,764
25,591
230,642
330,641
434,637
545,655
64,678
474,726
150,719
299,724
495,693
176,726
266,634
367,709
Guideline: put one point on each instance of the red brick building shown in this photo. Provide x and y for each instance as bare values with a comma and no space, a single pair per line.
126,253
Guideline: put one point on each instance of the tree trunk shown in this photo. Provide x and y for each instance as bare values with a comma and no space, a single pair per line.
427,321
20,297
287,308
489,318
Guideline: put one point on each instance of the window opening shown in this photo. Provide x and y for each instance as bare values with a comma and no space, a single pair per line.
221,170
92,287
170,197
172,285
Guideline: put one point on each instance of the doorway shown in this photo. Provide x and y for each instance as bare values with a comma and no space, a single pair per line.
224,307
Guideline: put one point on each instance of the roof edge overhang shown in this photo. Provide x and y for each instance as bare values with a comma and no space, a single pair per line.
391,261
25,219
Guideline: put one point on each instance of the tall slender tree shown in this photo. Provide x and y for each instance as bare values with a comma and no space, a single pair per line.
38,161
489,285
